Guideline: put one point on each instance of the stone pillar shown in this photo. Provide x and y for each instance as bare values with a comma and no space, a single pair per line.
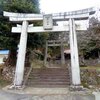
74,54
62,54
46,54
19,73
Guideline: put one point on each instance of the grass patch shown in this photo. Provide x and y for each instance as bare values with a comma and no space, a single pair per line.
37,64
3,82
84,84
97,67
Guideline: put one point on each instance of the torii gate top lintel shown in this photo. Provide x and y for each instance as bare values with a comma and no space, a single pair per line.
77,15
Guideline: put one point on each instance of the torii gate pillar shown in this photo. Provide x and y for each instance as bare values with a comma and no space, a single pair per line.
46,54
75,70
21,55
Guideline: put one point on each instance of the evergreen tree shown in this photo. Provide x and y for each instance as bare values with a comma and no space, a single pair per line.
89,41
10,40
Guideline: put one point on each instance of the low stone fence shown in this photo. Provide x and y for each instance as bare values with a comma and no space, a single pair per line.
92,62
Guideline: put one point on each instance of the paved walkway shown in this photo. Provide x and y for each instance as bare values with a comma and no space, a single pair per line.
39,91
97,95
44,94
70,96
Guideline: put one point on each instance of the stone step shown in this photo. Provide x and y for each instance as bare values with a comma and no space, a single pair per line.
52,72
49,77
52,80
47,73
48,69
48,83
43,75
47,86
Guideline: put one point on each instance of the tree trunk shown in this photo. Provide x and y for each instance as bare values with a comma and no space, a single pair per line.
98,56
11,60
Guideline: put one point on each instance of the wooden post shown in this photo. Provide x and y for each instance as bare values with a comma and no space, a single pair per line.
21,55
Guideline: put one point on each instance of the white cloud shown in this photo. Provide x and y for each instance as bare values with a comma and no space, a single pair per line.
55,6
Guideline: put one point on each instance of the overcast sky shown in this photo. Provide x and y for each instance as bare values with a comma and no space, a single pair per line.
56,6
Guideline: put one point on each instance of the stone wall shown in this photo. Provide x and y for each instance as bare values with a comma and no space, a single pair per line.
90,77
89,62
8,73
92,62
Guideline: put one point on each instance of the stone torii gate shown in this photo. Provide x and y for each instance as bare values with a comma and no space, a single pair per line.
48,27
51,43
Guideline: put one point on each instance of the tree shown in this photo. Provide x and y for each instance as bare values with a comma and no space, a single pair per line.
9,40
94,30
89,42
22,6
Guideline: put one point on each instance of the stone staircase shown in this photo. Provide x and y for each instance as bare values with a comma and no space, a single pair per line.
48,77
